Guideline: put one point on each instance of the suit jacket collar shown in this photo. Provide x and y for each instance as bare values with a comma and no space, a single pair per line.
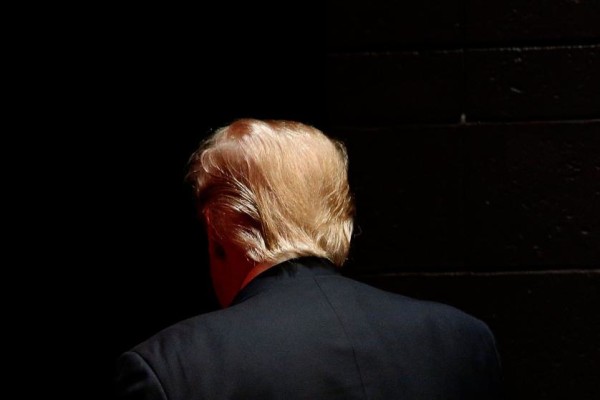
302,267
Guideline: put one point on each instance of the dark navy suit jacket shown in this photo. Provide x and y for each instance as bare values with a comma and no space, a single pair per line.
303,331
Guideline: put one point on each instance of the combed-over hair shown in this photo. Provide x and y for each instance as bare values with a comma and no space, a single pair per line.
277,189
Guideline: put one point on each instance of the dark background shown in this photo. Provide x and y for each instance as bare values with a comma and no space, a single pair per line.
473,129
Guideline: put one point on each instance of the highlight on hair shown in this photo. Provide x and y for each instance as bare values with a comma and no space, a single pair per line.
277,189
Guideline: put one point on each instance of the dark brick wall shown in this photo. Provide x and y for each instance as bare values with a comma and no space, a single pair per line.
473,130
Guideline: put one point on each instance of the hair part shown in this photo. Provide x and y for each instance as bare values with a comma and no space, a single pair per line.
277,189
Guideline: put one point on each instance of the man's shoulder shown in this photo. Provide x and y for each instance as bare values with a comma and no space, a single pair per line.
408,308
194,344
183,334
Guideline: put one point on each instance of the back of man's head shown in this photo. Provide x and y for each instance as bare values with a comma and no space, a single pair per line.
278,189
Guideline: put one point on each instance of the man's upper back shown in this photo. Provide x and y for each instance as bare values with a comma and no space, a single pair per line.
303,331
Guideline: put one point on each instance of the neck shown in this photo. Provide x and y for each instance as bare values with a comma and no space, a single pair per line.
254,272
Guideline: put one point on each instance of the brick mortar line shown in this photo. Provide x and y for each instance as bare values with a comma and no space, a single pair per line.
479,274
573,121
461,48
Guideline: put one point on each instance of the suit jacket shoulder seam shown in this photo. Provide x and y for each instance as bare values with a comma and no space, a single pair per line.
362,383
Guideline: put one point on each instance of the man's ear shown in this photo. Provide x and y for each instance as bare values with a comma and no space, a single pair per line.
219,250
204,214
213,239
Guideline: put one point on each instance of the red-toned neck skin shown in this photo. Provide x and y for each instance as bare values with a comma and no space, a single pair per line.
230,269
254,272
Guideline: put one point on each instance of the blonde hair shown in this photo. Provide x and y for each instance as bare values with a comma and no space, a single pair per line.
277,189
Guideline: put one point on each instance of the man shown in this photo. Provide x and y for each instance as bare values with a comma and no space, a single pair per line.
275,200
